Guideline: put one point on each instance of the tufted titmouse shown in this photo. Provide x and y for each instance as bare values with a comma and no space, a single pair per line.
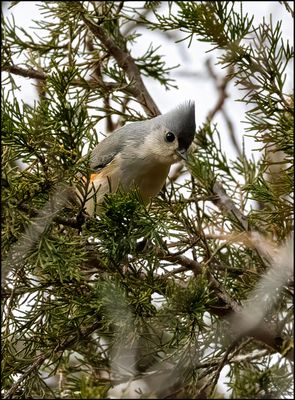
140,155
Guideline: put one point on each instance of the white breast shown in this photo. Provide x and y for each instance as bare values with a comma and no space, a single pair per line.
148,177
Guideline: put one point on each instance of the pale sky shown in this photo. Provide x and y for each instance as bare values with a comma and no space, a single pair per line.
197,86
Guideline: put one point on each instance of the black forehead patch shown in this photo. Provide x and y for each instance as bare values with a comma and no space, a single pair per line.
181,121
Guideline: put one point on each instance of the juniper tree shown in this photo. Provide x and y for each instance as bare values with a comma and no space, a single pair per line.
79,310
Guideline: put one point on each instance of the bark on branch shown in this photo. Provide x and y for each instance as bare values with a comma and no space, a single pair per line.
126,62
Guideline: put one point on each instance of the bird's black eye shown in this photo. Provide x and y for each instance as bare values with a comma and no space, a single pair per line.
170,137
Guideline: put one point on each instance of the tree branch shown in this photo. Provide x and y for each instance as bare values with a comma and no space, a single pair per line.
225,203
86,83
41,358
219,106
125,61
39,361
230,309
26,73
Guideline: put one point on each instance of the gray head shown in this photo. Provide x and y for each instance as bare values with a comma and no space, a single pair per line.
170,135
163,139
181,122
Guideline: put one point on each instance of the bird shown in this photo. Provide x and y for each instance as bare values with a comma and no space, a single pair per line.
139,155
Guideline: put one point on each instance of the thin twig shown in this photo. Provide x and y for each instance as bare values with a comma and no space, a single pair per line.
125,61
221,87
219,106
70,222
58,349
226,204
185,262
230,309
25,72
288,7
235,359
221,364
93,83
28,371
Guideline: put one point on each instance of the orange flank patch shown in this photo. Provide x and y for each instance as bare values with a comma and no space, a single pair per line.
105,173
93,177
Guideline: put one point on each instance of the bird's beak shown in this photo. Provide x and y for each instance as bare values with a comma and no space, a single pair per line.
182,153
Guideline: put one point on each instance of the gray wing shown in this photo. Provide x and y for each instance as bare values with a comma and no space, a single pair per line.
105,151
113,144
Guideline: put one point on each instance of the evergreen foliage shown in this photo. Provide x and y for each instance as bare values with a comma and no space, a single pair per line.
146,295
